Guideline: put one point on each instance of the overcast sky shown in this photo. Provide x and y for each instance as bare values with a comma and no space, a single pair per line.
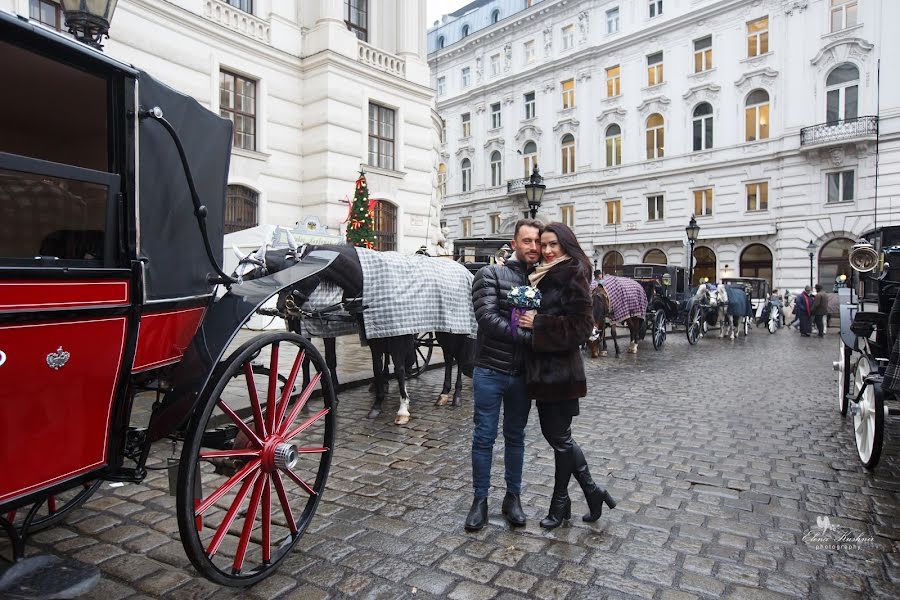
436,8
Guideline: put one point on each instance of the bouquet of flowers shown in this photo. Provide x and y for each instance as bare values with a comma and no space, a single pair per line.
522,298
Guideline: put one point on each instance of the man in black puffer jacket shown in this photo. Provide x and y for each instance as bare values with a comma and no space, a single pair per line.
499,376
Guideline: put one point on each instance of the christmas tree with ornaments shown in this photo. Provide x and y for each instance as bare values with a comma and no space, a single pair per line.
361,218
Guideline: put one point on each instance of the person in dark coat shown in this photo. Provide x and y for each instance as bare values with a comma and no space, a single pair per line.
820,309
803,309
555,370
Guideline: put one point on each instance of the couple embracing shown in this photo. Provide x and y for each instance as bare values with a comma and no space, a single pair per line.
536,358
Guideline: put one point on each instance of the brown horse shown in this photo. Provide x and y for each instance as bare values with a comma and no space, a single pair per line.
602,320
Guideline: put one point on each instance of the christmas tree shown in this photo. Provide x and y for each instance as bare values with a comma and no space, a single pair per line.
361,219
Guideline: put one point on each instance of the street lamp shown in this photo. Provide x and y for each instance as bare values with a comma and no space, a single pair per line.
693,231
88,20
534,191
811,248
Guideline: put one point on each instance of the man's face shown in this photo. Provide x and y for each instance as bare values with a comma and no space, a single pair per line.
527,244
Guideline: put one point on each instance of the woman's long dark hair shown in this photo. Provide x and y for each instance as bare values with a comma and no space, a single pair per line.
570,246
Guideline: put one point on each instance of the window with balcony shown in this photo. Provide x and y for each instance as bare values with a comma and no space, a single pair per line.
494,221
356,13
495,65
568,37
441,86
237,103
613,82
843,14
613,212
703,202
241,206
703,54
612,20
381,136
568,154
466,77
465,168
654,69
530,106
529,157
655,207
496,169
385,226
529,51
567,215
466,124
840,186
703,127
465,225
656,136
568,94
758,196
495,116
613,145
656,7
244,5
46,13
756,116
758,37
842,93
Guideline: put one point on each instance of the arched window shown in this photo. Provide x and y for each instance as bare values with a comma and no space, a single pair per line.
842,93
496,169
465,30
568,154
441,42
241,205
656,136
703,127
756,261
612,263
834,261
466,172
757,116
704,265
529,157
656,257
442,180
385,226
613,145
495,16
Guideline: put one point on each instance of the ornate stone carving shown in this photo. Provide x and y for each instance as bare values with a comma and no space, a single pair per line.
791,6
652,165
700,156
479,108
549,86
837,156
655,104
548,40
507,57
479,70
757,78
584,75
707,92
567,125
612,115
584,25
495,143
841,50
528,132
508,99
465,152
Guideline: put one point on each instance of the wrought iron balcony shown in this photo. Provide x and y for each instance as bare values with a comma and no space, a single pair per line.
516,186
839,131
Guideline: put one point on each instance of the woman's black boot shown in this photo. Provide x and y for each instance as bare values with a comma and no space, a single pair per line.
595,495
560,510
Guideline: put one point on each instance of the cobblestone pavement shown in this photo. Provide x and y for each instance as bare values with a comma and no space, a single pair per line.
723,457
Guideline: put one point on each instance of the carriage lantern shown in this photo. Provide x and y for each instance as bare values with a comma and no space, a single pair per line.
534,191
88,20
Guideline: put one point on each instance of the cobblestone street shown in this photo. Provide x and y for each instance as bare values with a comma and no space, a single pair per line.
723,457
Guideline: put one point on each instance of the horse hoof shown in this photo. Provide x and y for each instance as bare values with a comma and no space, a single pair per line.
443,400
401,420
604,353
457,401
373,414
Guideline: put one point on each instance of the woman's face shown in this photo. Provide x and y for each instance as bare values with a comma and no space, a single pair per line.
550,247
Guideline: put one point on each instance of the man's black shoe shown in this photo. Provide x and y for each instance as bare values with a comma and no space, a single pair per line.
512,510
477,517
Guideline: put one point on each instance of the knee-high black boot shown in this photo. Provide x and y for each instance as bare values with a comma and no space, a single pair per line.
595,495
560,504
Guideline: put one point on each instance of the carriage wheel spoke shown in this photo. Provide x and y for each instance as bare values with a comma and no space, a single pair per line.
240,423
249,521
266,521
311,450
273,389
229,517
289,387
301,402
228,454
254,401
300,482
283,499
306,424
226,487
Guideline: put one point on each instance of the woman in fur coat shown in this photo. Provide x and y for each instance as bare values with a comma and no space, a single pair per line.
555,371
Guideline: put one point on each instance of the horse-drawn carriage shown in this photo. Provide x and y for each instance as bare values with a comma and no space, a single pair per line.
868,364
112,191
762,307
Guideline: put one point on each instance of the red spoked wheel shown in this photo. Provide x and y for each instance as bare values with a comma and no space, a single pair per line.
245,498
54,508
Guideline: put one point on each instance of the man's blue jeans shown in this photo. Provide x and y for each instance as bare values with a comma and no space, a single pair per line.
491,389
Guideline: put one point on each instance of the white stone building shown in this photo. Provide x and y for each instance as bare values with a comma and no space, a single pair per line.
642,113
310,85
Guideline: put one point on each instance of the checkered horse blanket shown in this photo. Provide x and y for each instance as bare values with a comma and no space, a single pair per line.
627,298
415,294
332,324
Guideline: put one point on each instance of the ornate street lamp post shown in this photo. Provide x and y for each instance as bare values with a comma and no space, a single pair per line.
534,191
88,20
811,248
693,231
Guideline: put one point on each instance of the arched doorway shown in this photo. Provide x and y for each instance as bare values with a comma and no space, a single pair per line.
612,263
834,262
704,265
656,257
756,261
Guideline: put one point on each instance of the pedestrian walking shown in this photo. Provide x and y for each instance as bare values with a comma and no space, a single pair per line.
555,371
820,309
803,310
499,377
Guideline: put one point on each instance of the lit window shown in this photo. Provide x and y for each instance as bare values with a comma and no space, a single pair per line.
758,37
529,105
495,116
656,136
442,180
840,186
655,207
703,202
496,170
495,223
613,145
466,125
703,54
466,226
466,171
568,37
529,157
757,116
567,215
612,20
654,69
568,93
613,83
613,212
758,196
568,154
703,127
843,14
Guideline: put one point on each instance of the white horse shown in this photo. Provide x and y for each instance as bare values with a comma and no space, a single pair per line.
729,323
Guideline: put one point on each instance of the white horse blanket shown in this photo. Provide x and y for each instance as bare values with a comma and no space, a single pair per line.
415,294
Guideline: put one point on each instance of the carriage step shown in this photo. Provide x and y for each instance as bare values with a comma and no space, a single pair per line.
45,577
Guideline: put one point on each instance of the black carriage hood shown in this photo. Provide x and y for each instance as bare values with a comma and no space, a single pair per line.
169,239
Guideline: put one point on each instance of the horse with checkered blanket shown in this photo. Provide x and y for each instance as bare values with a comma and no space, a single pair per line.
617,300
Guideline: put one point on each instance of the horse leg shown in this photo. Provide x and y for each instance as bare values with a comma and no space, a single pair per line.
457,391
376,347
444,398
331,359
402,349
612,330
634,332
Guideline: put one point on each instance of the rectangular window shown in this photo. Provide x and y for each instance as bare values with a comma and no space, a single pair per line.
758,37
466,171
441,86
654,69
703,202
466,77
568,94
568,37
703,54
756,122
385,226
840,186
613,147
613,212
381,136
495,65
529,51
529,105
758,196
656,7
237,103
496,170
466,125
568,156
356,13
495,223
613,84
655,208
612,20
567,215
244,5
495,116
46,13
843,14
466,226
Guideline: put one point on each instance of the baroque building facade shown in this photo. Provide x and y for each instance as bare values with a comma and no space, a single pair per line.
758,117
317,90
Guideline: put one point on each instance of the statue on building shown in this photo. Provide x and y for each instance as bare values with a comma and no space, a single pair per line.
548,40
584,25
507,57
478,70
